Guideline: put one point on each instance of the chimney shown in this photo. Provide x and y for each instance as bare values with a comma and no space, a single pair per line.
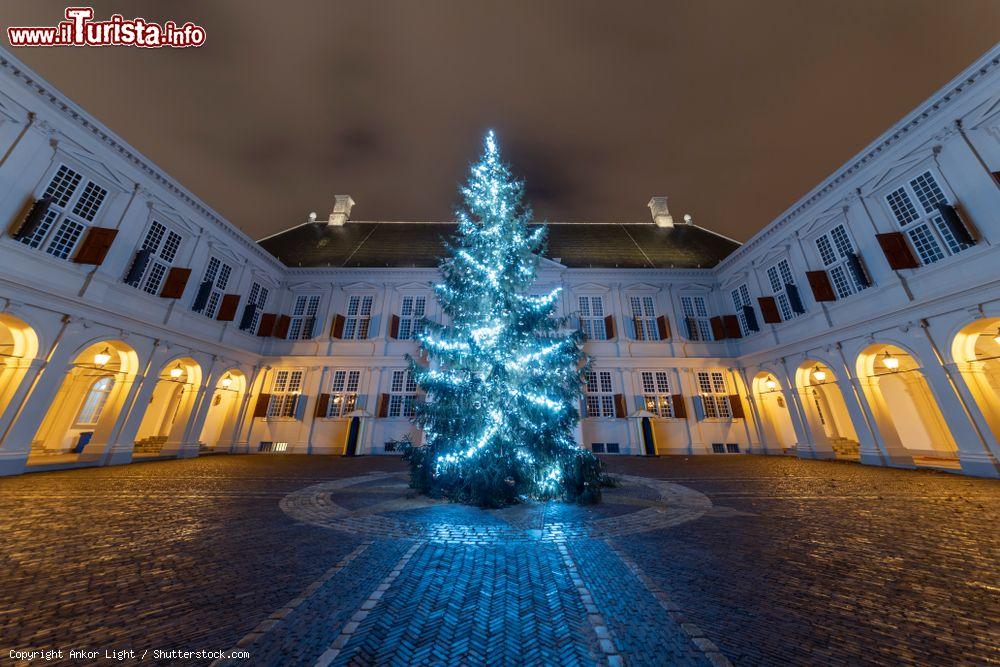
341,213
661,214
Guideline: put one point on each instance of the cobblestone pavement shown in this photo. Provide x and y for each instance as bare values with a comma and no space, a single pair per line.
790,562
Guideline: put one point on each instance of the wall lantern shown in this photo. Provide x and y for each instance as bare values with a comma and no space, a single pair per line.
176,371
997,337
889,361
818,374
770,383
102,357
226,381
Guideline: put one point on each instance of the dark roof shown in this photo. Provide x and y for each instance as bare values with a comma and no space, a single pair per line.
575,245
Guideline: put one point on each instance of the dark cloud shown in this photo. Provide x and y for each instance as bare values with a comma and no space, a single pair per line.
734,109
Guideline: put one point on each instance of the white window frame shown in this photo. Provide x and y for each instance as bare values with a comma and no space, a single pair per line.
643,312
714,393
345,386
599,394
697,320
95,401
591,323
412,309
602,447
258,297
778,276
286,392
219,273
741,297
911,204
833,248
402,394
357,324
305,309
656,394
78,203
165,245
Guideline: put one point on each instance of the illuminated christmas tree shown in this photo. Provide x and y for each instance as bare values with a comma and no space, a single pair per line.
504,377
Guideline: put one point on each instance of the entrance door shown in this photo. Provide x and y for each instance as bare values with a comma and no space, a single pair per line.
647,437
352,437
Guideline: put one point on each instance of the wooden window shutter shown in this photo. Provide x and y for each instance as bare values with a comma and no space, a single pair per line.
620,410
583,408
736,406
718,329
680,408
173,286
858,269
138,267
281,327
260,407
822,289
227,308
95,246
957,222
394,326
200,299
609,326
769,308
383,405
266,325
732,324
663,327
32,216
322,405
750,316
794,299
996,177
337,328
897,251
249,311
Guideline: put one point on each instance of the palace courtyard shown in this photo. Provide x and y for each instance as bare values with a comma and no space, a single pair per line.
327,560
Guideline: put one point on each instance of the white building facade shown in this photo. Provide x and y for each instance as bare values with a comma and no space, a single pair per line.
863,323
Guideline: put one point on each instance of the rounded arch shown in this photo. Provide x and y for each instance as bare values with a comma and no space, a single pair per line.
81,418
18,349
905,410
223,411
775,416
825,409
975,349
170,407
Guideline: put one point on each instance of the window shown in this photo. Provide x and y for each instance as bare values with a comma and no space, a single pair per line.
835,251
303,317
696,317
644,316
592,318
285,392
410,313
714,398
402,394
66,220
915,207
217,275
741,298
359,315
732,448
93,404
343,393
718,448
656,393
258,299
782,285
600,399
272,447
162,245
605,447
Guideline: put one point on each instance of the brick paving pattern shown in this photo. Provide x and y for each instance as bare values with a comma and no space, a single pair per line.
796,562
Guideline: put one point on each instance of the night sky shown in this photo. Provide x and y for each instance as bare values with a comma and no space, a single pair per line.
733,109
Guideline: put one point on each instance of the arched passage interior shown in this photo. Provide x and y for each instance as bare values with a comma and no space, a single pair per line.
826,410
776,420
976,351
224,406
170,407
18,348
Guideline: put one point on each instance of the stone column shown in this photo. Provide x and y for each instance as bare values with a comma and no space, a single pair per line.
28,379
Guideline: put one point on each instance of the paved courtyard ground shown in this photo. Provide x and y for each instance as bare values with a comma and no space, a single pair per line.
323,560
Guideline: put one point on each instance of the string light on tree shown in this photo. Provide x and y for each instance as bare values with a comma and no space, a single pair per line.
505,377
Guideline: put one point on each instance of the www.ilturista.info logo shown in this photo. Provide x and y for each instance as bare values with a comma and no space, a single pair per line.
79,29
